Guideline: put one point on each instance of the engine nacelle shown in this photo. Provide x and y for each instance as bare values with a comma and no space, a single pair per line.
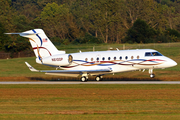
57,60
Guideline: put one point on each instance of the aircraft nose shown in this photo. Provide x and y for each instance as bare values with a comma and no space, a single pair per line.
172,63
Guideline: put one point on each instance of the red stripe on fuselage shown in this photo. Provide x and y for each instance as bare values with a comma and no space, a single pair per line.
155,60
43,48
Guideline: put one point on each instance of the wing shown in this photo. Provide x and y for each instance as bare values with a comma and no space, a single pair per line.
68,72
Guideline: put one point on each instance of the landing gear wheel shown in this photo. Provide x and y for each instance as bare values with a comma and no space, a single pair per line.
83,79
99,78
152,75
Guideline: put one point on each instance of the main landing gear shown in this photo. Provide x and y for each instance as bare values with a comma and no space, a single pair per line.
99,78
85,78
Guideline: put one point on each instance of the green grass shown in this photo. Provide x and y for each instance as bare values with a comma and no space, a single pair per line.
16,67
90,102
92,117
107,102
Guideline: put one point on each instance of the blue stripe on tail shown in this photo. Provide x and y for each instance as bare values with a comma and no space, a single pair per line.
38,36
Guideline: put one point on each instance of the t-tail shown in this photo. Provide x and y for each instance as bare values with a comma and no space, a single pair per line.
43,48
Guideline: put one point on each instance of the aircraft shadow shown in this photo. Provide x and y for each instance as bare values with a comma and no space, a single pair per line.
66,79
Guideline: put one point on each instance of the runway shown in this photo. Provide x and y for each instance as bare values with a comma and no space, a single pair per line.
93,82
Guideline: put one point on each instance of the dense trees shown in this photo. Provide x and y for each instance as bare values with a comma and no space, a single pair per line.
140,32
84,21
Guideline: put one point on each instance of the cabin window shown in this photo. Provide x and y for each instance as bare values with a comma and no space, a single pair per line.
91,59
114,58
86,59
103,58
148,54
156,54
120,58
109,58
153,54
138,57
126,57
97,59
132,57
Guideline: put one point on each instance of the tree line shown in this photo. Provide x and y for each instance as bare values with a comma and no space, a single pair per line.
90,21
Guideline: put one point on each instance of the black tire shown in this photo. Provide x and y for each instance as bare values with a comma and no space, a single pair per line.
83,79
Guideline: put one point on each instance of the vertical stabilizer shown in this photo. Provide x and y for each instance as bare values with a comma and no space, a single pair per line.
40,43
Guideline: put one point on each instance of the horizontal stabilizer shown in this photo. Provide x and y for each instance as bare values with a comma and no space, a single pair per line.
22,34
31,68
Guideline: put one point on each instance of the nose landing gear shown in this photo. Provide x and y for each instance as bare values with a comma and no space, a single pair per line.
151,73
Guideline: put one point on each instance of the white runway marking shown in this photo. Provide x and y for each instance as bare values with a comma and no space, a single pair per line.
100,82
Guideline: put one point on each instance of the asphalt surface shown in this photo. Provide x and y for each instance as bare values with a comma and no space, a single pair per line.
94,82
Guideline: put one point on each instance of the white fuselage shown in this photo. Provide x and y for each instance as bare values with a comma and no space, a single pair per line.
119,61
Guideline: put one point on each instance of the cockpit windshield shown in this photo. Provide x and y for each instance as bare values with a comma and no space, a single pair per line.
153,54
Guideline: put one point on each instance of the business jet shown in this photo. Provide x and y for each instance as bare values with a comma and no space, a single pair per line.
96,63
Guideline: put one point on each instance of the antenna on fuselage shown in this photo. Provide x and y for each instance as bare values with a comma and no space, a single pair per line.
93,48
124,47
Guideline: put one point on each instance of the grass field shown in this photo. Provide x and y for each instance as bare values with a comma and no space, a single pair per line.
108,102
15,69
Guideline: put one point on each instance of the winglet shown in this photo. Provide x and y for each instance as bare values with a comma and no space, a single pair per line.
31,68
